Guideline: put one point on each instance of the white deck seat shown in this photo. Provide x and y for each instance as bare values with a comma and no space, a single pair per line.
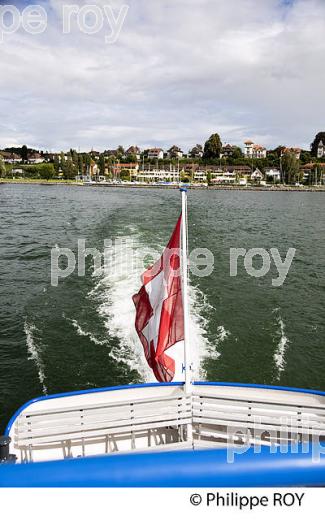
216,418
158,418
118,426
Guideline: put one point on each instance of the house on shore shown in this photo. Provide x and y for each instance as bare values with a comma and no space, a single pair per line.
11,158
228,150
200,176
257,176
158,175
131,168
314,173
155,153
295,151
254,151
273,175
196,152
35,158
174,152
134,150
320,150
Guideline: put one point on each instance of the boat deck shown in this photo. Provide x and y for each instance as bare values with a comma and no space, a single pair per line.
162,417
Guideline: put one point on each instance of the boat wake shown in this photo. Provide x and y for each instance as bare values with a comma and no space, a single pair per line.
34,353
113,293
222,335
83,333
283,342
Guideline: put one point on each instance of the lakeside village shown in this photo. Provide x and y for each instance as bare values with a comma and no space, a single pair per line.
211,164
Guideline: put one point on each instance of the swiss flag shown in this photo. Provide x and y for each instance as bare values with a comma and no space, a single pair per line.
159,309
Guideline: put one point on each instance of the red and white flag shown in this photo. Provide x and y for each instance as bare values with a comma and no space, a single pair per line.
159,309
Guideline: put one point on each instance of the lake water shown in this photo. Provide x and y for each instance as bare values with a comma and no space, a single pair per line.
81,335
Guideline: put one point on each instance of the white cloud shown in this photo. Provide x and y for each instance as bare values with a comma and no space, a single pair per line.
179,71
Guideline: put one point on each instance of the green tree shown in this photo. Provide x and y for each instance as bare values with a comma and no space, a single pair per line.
125,175
24,153
196,151
69,169
209,178
305,156
46,171
62,160
291,168
319,174
120,152
314,147
237,153
80,164
102,164
74,157
132,158
3,170
87,161
56,164
212,147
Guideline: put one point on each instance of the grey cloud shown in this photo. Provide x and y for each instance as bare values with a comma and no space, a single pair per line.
179,71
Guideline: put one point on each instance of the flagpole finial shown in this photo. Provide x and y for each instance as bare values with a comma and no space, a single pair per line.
183,189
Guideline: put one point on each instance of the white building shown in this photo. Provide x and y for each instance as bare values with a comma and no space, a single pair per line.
254,151
84,178
196,152
134,150
155,153
157,175
17,171
175,152
257,176
273,174
296,151
10,158
321,150
224,178
200,176
35,158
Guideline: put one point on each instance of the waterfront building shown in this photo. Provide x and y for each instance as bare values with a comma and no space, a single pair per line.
254,151
132,168
175,153
200,176
11,158
225,177
321,150
158,175
134,150
196,152
155,153
35,158
273,174
295,151
84,178
228,150
257,176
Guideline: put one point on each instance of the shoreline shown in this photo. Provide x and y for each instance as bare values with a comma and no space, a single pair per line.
273,189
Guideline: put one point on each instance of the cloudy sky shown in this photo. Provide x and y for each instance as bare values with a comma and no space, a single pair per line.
179,71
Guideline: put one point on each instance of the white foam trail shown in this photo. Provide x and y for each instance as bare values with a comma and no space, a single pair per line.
222,334
279,354
34,353
200,345
114,292
89,335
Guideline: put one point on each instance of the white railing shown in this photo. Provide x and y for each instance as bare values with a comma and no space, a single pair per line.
217,418
105,428
231,420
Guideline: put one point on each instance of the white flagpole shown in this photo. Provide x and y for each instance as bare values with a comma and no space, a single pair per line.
187,348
